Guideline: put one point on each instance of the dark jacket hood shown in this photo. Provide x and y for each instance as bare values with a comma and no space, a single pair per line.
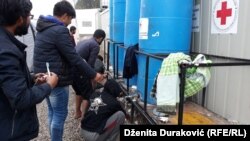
45,22
112,87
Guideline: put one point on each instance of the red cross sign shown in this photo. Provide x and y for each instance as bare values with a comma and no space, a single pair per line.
224,16
224,13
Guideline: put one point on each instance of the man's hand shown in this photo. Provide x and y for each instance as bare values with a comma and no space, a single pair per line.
40,78
52,80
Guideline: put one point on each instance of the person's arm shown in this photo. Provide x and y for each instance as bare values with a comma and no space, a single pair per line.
67,50
14,84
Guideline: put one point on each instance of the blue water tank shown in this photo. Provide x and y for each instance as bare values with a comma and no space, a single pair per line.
131,33
111,24
169,25
111,19
118,28
165,27
132,15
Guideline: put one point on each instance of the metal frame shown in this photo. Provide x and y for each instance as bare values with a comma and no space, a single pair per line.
114,55
183,68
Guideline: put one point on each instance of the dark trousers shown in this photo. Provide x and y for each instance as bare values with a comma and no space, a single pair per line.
112,129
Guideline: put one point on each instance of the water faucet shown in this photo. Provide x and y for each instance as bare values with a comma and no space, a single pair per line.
133,97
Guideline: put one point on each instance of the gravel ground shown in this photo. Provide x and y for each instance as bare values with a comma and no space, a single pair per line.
71,126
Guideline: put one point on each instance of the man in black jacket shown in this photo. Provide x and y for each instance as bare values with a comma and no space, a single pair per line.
18,94
54,47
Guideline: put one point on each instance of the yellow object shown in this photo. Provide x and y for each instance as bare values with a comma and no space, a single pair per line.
194,118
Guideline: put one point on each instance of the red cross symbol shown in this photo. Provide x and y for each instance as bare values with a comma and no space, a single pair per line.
224,13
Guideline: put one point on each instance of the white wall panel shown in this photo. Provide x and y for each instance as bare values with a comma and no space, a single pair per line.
228,93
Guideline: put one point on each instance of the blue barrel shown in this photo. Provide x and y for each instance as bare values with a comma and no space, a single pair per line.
169,25
132,22
118,28
165,27
111,24
111,19
131,33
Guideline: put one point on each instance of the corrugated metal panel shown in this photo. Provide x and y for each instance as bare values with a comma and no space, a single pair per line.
228,91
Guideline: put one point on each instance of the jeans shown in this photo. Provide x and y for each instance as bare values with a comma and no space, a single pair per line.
58,111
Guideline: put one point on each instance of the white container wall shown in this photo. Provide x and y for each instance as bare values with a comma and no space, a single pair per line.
104,24
104,3
87,22
228,93
104,21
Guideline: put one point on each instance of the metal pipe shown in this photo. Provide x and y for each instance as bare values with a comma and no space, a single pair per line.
222,57
108,56
189,65
146,84
117,54
122,46
104,50
114,59
152,56
132,113
182,89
